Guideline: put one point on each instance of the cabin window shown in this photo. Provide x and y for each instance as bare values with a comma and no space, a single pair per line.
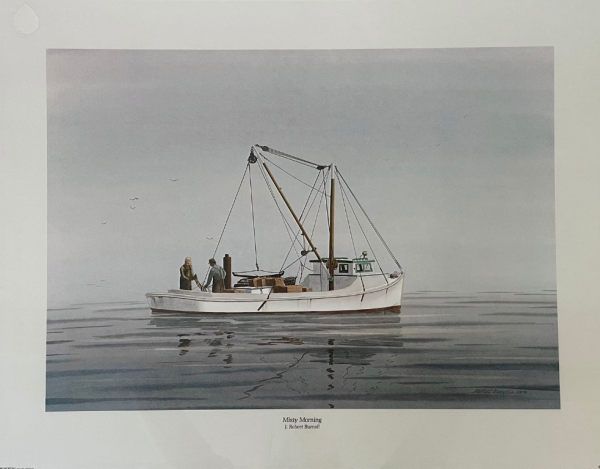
364,268
343,268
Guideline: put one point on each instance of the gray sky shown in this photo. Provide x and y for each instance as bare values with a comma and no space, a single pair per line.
450,151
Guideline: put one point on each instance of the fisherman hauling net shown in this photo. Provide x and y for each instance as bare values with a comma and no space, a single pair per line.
217,276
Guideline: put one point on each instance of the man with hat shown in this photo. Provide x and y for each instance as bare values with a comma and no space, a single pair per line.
216,276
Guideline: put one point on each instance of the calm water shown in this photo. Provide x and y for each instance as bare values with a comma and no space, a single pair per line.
445,350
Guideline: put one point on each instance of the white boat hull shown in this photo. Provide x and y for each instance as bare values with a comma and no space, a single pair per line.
373,295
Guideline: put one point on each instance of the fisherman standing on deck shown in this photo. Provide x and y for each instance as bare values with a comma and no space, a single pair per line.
216,276
186,275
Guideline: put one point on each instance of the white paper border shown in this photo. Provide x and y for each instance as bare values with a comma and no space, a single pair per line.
565,438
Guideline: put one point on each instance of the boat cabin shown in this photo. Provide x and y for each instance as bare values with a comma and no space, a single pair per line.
349,267
346,272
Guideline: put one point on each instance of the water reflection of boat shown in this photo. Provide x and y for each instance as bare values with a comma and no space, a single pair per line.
333,284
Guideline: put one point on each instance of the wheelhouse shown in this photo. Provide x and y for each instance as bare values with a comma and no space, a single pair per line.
350,267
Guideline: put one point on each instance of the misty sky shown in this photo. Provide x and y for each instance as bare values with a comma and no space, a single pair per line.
450,151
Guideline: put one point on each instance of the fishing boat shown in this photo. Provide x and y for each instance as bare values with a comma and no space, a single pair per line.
325,285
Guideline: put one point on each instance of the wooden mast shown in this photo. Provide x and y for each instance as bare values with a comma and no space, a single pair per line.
331,228
292,212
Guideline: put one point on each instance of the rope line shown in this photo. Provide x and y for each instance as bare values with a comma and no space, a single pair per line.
372,225
291,175
289,157
281,213
289,265
286,223
227,220
318,211
252,211
351,235
303,264
366,239
328,195
268,183
295,160
300,218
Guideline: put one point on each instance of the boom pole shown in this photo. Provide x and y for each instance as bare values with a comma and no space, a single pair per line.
292,212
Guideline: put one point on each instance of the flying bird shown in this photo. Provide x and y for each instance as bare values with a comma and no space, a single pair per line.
135,198
465,115
208,238
104,223
132,208
174,180
438,144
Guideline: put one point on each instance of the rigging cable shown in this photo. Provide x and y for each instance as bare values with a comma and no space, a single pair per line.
291,157
364,234
317,217
264,175
285,155
292,263
252,211
297,179
319,208
227,220
300,218
303,264
327,195
286,223
323,265
372,225
351,235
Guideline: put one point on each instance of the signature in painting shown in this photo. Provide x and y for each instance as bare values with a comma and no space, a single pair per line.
499,391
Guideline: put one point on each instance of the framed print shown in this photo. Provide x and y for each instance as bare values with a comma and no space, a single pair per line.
299,234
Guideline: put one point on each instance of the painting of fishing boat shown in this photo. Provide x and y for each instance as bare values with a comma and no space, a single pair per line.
359,229
332,284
